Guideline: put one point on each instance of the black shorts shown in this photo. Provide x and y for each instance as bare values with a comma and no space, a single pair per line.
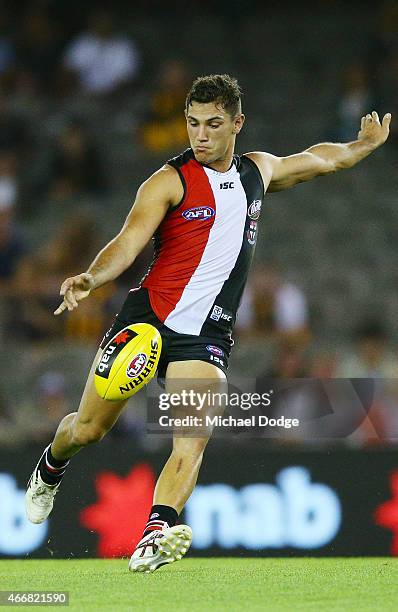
175,346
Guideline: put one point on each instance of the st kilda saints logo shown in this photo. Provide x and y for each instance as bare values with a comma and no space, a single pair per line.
254,210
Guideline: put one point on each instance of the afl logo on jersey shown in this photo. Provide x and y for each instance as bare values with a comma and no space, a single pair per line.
200,213
254,209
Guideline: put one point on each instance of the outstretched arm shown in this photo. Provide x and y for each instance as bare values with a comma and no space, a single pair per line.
161,190
283,172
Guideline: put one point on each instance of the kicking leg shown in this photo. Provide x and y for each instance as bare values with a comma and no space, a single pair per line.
94,418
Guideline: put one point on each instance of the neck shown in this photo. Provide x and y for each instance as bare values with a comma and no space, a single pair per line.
224,163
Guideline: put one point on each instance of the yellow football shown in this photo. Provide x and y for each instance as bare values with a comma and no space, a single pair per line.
128,362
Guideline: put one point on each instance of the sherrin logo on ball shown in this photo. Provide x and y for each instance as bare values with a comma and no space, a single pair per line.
128,362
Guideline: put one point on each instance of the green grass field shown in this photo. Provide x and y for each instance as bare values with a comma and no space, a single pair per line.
214,584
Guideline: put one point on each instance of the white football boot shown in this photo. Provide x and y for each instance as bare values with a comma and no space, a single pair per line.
39,497
160,547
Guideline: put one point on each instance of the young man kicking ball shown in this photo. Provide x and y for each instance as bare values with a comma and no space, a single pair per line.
203,209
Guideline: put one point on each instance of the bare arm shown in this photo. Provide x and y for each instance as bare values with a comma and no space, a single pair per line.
283,172
162,190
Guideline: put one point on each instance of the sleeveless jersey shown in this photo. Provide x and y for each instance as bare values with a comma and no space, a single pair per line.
204,247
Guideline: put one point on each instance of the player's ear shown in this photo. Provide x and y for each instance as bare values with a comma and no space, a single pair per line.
238,123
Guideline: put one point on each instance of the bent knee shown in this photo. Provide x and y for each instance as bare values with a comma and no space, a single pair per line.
87,433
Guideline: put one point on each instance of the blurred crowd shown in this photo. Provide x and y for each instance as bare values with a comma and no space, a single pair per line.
57,178
275,312
52,164
370,80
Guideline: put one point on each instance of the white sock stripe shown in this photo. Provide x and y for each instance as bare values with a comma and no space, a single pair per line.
53,467
156,523
57,475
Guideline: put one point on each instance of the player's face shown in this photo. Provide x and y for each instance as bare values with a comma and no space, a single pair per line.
211,131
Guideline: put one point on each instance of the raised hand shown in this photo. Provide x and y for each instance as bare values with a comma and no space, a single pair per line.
74,290
373,131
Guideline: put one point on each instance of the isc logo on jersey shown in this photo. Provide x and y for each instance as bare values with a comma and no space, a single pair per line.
218,313
200,213
128,362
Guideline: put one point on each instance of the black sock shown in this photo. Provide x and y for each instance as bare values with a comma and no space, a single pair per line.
51,469
160,517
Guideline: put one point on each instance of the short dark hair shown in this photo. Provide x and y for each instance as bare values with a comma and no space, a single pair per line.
219,88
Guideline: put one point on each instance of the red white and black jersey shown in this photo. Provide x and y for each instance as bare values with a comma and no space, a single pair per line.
204,247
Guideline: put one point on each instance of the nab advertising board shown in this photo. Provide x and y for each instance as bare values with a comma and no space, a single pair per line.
250,502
